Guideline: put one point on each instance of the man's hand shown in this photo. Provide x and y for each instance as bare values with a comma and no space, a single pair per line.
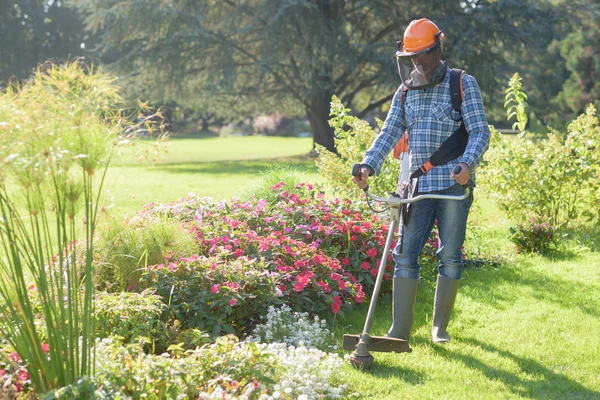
364,176
465,174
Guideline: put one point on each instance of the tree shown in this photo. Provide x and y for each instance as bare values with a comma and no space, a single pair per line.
242,56
38,30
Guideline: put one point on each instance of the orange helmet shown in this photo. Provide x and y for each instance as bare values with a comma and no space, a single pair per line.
421,35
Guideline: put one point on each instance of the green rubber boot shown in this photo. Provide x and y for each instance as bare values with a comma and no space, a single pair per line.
403,307
445,295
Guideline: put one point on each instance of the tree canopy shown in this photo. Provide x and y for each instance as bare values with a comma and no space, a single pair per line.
292,55
35,31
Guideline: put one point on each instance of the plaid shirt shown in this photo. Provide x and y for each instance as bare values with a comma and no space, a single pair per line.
429,118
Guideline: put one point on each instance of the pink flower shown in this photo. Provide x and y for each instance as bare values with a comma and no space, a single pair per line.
345,261
342,285
336,277
372,252
232,302
365,265
324,286
235,224
14,357
374,271
238,252
45,348
299,286
22,375
172,266
234,383
2,372
215,288
337,304
353,238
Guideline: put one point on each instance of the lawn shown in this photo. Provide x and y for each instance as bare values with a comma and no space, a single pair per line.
214,167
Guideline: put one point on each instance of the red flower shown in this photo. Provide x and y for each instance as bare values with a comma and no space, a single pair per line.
342,285
232,302
353,238
337,304
45,348
336,277
372,252
365,265
374,271
345,261
2,372
238,252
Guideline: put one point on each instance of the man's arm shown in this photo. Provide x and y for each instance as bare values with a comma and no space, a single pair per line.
476,123
392,129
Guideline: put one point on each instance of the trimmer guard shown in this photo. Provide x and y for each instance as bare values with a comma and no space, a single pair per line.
378,344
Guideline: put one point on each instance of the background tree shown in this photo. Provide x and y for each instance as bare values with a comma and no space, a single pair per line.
35,31
238,57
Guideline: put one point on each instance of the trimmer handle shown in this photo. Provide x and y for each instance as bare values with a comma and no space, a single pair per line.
356,173
456,171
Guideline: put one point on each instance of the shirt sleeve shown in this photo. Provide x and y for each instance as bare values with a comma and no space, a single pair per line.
390,134
475,121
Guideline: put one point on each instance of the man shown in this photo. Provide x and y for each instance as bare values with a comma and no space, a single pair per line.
423,108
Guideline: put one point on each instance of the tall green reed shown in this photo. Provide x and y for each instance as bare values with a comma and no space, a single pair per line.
58,132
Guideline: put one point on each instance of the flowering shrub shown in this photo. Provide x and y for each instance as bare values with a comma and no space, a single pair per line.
292,328
535,236
330,231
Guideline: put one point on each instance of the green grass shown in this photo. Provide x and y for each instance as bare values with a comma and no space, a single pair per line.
214,167
526,329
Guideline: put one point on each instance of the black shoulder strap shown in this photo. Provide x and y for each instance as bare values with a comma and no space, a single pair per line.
456,92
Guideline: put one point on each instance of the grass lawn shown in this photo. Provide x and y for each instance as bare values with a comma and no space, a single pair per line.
214,167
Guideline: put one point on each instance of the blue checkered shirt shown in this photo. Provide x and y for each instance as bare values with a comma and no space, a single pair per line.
429,118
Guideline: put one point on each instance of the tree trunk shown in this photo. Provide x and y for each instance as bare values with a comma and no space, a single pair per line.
318,117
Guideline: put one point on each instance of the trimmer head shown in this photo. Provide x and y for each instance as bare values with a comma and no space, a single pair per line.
377,343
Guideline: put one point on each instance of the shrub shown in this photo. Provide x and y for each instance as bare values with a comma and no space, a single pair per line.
353,137
226,366
87,388
132,316
554,178
290,175
535,236
125,248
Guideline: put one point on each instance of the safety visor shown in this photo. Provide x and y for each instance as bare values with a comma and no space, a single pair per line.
416,69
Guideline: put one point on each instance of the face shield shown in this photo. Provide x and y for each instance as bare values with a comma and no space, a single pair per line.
420,70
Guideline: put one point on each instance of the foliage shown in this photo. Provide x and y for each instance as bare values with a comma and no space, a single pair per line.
57,133
131,316
282,325
290,175
516,102
578,49
553,179
353,136
226,366
87,388
40,30
535,236
303,52
126,247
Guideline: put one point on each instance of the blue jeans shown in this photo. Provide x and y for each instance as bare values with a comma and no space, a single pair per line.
451,216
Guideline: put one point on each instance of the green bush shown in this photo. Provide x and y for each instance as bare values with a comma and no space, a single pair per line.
132,316
125,248
353,137
554,178
226,366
